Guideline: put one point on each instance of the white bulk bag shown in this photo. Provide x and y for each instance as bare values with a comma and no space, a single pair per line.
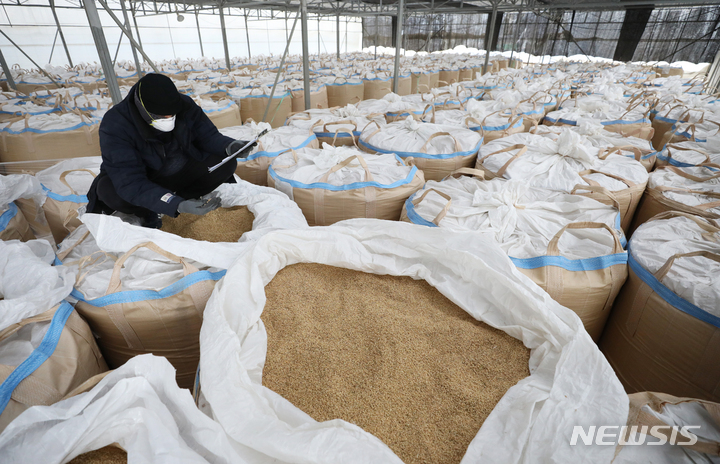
337,183
570,383
67,184
336,126
569,163
615,116
488,117
272,210
582,269
253,168
436,149
688,154
138,406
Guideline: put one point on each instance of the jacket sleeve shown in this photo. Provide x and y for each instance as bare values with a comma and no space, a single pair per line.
206,137
124,166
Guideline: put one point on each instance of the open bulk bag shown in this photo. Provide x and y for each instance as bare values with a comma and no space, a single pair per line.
254,167
335,126
436,149
614,115
568,163
222,112
66,185
46,349
567,244
272,210
154,304
337,183
688,154
253,102
138,407
49,136
531,105
677,422
664,332
487,117
21,200
342,91
694,190
569,383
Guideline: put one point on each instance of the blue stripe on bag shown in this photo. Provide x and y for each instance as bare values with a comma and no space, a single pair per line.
405,154
338,188
575,265
671,297
71,198
38,356
272,154
132,296
8,215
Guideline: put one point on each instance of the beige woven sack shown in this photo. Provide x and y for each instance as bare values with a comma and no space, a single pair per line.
344,94
227,117
654,346
653,201
62,216
168,326
253,107
17,227
420,83
589,293
375,89
76,358
35,217
318,99
84,141
323,207
449,76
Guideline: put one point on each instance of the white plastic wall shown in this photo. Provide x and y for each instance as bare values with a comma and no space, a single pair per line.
163,37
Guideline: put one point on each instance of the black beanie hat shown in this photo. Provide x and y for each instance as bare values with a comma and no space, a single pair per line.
159,95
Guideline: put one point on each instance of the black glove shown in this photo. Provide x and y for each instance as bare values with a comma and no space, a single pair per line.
237,145
200,206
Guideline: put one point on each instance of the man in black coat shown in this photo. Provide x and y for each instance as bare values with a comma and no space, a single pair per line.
157,146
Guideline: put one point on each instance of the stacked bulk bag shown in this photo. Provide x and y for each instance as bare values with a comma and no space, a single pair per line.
568,163
571,385
342,91
66,185
664,333
154,304
694,190
614,115
49,136
254,101
567,244
337,183
488,117
222,112
254,167
21,213
436,149
46,349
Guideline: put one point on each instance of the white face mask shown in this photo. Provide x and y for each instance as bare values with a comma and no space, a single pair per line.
164,125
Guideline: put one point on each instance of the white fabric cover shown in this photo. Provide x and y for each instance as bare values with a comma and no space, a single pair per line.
312,165
667,178
276,140
522,219
695,278
409,136
554,164
140,407
571,382
79,181
29,283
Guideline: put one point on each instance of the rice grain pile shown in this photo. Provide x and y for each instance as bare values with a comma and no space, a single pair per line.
389,354
107,455
220,225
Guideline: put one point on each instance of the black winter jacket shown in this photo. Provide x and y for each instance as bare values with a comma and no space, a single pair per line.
132,154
